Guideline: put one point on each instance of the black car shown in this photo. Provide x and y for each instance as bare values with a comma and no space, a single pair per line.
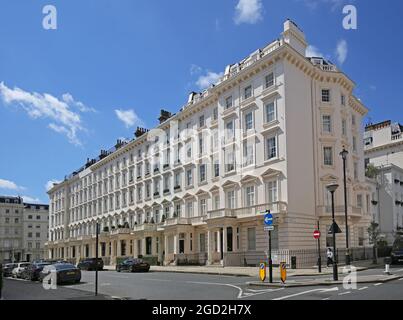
65,273
397,251
8,269
32,272
133,265
91,264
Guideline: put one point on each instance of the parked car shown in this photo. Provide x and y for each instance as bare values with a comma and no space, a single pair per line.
19,269
91,264
65,273
8,269
32,271
133,265
397,251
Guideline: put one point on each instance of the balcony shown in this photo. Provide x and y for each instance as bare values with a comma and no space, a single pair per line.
198,220
176,221
120,231
275,207
147,227
397,136
339,211
220,213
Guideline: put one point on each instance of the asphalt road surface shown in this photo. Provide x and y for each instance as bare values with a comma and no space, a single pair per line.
185,286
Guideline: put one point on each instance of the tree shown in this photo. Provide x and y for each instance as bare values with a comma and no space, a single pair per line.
374,237
371,171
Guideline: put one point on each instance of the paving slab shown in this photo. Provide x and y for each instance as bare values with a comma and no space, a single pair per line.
324,282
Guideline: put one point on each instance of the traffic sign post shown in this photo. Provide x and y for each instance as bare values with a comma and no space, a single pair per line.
317,235
268,221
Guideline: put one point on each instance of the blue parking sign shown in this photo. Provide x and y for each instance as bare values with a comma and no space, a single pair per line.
268,219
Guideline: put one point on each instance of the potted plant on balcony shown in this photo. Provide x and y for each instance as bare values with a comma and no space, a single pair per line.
175,215
106,229
152,220
113,228
163,218
126,225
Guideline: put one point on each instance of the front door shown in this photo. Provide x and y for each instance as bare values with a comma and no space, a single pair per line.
182,246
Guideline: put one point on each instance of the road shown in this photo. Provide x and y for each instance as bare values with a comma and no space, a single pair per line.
185,286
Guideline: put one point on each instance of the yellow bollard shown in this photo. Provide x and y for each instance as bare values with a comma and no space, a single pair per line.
283,272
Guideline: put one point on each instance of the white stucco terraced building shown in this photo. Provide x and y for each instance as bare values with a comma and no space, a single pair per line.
266,136
383,146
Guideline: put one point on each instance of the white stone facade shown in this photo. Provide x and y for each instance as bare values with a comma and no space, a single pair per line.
23,230
266,136
384,149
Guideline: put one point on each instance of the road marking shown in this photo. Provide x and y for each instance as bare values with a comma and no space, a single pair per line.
364,288
241,294
164,280
378,284
309,291
344,293
400,279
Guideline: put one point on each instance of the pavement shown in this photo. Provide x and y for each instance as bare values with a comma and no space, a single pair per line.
253,271
17,289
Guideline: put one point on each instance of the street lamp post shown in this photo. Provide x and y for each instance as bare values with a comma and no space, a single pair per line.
332,188
344,154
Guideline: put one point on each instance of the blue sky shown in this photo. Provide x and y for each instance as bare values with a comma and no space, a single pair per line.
112,65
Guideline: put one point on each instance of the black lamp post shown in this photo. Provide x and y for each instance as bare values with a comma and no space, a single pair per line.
344,155
332,188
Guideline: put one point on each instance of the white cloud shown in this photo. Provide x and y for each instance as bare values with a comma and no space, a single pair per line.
50,183
341,51
68,98
248,11
129,118
27,199
10,185
312,51
47,106
334,4
195,69
208,79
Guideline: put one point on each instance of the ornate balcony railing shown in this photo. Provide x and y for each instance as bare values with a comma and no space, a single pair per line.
120,231
145,227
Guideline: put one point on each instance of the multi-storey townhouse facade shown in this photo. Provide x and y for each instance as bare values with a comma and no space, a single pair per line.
267,136
23,230
384,150
35,230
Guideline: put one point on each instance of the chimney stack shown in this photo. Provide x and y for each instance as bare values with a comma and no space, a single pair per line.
295,37
140,131
165,115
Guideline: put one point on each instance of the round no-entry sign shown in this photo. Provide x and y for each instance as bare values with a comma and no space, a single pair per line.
316,234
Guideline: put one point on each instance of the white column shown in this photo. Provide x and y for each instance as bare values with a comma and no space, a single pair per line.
218,241
165,247
135,248
209,247
224,238
176,245
143,246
